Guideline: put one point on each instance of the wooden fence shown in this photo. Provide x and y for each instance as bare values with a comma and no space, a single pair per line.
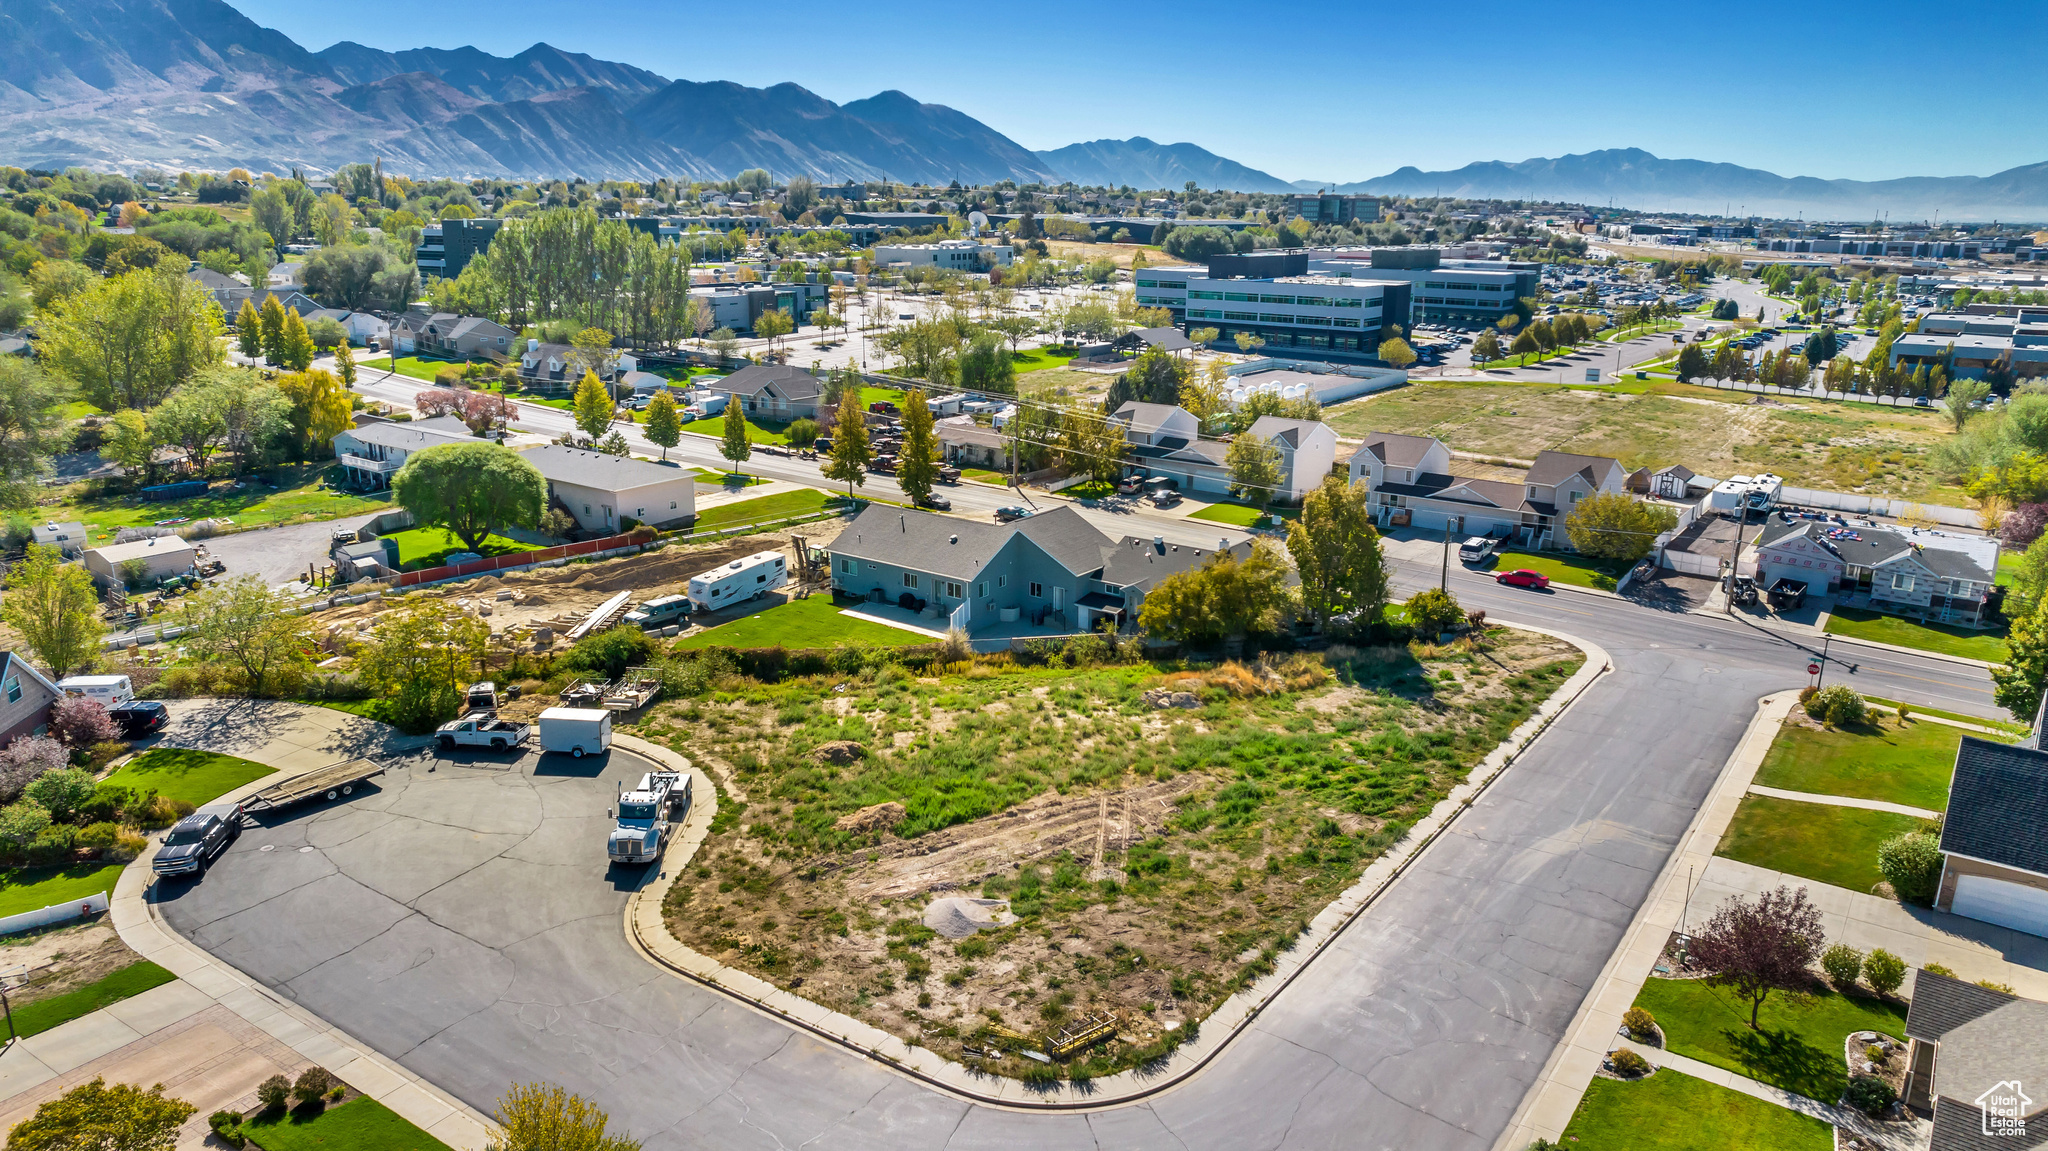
525,559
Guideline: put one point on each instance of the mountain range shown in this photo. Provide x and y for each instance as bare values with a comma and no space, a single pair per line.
196,84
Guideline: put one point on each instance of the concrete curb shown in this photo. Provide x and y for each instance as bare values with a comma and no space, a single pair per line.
1594,1030
140,926
650,936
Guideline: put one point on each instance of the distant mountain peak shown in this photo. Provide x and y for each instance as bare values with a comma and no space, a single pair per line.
1142,163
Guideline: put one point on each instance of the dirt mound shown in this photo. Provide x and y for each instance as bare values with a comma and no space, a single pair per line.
958,918
840,752
879,817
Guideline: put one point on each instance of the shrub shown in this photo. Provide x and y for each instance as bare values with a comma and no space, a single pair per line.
26,758
1639,1023
1911,863
1905,713
1884,971
227,1128
313,1083
20,823
1837,705
78,722
1869,1094
273,1092
1939,969
1807,693
101,754
99,836
61,792
1627,1062
1843,964
127,846
1995,985
608,653
53,845
1433,611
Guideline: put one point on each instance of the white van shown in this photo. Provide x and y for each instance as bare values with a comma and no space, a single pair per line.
109,691
579,731
1478,549
742,579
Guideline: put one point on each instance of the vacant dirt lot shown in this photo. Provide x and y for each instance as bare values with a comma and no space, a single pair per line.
1156,857
1843,447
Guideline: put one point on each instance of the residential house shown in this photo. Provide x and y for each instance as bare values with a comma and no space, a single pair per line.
964,442
773,392
26,696
549,368
1411,476
1994,837
228,294
1132,567
1165,440
1978,1058
601,491
371,453
1558,480
450,336
68,538
1926,574
362,327
1038,571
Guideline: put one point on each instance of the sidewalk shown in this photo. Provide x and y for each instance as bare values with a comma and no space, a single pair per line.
214,1034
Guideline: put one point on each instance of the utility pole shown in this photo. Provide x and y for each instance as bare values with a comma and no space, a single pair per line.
1827,641
1444,583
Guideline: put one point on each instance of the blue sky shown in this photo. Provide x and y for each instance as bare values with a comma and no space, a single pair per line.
1870,90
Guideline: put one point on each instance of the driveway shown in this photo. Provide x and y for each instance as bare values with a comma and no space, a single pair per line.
279,555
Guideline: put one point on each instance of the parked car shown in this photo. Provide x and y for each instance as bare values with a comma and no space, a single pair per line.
139,718
1165,498
196,841
1012,515
935,502
1478,549
1523,577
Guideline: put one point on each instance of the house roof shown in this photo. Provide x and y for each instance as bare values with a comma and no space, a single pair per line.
143,549
1169,339
1679,470
1941,1004
1553,468
1396,450
1140,563
1149,418
1281,430
1869,547
414,436
929,542
10,663
790,383
1998,805
1987,1038
1959,1126
605,472
969,432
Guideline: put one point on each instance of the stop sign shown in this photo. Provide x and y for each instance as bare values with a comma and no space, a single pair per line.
1813,669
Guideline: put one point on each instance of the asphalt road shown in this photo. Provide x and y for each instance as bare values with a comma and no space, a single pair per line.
462,922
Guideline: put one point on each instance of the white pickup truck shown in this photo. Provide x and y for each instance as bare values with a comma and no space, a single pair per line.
482,729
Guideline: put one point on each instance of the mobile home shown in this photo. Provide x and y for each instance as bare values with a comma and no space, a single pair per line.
742,579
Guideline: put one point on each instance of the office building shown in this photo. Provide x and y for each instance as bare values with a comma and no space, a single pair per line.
1329,209
1273,296
958,255
1454,291
447,247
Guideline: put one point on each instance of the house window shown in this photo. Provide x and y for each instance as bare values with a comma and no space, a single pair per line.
14,690
1003,581
953,589
846,566
909,580
981,589
1037,591
1902,582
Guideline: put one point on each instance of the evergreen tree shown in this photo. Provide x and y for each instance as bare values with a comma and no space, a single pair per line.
272,324
296,347
850,452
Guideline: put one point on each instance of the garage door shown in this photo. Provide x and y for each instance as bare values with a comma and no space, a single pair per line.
2013,905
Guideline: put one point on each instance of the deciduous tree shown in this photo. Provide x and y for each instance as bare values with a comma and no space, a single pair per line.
245,626
917,468
735,444
32,427
271,322
544,1117
1337,550
850,455
126,342
249,331
422,655
1255,468
470,489
1755,948
54,607
1617,526
1223,599
96,1117
1397,352
593,406
664,425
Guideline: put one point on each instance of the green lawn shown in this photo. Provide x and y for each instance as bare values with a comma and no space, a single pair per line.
758,432
425,547
1941,639
1091,490
1906,763
299,495
1562,568
1674,1112
2005,725
729,479
871,396
361,1124
1237,515
761,508
414,366
134,979
34,888
984,476
2008,564
803,623
1799,1042
196,777
1817,841
1039,359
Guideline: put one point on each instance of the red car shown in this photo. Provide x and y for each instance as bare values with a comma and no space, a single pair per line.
1523,577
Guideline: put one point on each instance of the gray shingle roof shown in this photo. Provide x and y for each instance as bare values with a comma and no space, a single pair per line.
1987,1039
1140,563
1147,418
1553,468
1396,450
945,545
605,472
1959,1126
415,436
791,383
1872,546
1998,805
1281,430
1941,1004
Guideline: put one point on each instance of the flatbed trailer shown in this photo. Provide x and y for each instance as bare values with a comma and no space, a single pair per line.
330,782
632,691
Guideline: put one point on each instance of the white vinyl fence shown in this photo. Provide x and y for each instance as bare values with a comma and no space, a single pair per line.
55,913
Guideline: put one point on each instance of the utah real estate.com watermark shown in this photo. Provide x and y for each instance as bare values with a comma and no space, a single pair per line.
2004,1109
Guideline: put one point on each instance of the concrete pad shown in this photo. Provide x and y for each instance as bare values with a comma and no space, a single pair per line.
160,1007
80,1041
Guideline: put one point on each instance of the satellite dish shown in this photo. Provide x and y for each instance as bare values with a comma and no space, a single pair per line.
977,221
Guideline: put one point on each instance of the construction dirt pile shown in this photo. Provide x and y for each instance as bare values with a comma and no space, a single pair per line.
956,917
878,817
